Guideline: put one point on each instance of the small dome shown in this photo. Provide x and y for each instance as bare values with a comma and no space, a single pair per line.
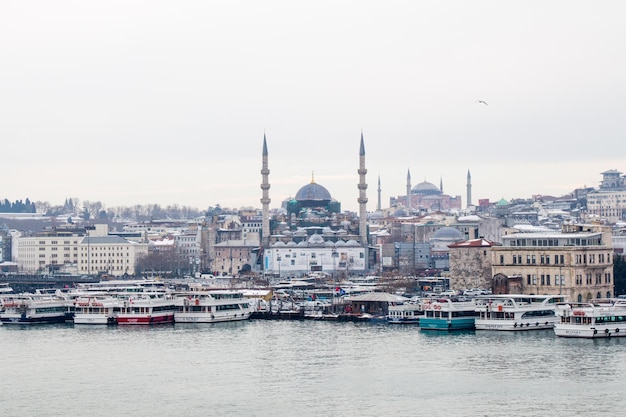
313,191
448,233
425,188
316,239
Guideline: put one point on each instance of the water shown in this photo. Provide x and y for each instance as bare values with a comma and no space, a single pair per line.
305,368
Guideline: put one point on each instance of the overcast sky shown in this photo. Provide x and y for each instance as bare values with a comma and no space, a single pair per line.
166,102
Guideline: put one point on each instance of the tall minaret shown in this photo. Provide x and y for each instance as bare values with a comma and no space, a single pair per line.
441,184
362,196
469,189
265,200
408,190
378,207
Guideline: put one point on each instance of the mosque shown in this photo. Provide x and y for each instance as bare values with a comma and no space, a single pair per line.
315,237
427,197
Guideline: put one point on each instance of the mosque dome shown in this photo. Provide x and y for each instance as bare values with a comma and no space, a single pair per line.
426,188
313,192
448,233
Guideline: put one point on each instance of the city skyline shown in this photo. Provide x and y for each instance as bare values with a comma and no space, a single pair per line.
168,103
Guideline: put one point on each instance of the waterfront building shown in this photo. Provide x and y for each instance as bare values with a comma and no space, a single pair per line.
470,264
87,251
233,257
576,262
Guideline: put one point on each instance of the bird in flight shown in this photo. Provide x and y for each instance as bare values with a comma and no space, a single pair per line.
483,102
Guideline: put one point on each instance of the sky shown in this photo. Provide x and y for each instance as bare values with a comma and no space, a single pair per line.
167,102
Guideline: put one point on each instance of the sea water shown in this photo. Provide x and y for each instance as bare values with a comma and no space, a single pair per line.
305,368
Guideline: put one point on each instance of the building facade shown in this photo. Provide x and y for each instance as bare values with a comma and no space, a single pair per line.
577,262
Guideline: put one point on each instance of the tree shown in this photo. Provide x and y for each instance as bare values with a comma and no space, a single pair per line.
619,274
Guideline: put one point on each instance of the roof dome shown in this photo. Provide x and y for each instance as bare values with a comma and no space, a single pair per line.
313,191
448,233
426,188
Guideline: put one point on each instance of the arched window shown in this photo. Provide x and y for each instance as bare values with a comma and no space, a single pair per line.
580,298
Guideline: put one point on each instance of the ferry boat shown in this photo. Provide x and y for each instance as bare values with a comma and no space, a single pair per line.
447,314
405,313
33,308
211,306
146,308
96,310
593,319
516,312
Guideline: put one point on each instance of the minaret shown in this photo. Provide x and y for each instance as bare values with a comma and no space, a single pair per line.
408,190
441,184
378,207
265,200
362,197
469,189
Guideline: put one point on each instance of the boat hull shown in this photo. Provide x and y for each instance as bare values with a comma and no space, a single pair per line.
133,319
590,332
427,323
209,318
26,319
515,326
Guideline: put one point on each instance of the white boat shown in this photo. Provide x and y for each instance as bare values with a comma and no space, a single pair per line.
593,319
33,308
405,313
211,306
96,309
447,314
516,312
146,308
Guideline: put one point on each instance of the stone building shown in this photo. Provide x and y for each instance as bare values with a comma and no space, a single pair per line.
576,262
470,264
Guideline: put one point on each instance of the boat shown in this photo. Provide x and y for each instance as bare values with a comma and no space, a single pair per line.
33,308
593,319
96,309
514,312
405,313
211,306
447,314
146,308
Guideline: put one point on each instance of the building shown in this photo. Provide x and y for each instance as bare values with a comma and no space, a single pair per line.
576,262
89,251
470,264
426,197
234,257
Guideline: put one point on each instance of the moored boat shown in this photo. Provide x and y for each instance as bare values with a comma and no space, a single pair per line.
516,312
33,308
405,313
96,310
447,314
593,319
147,308
211,306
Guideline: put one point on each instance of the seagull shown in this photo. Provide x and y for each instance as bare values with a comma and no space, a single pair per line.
483,102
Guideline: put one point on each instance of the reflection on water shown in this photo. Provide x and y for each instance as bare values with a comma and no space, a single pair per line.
305,368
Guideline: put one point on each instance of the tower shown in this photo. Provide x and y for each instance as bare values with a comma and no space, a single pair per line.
441,184
378,206
469,189
362,196
265,199
408,190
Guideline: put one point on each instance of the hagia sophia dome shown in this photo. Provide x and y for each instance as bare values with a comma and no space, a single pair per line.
426,188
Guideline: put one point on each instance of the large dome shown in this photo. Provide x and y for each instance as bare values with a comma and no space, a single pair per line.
448,233
425,188
313,192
